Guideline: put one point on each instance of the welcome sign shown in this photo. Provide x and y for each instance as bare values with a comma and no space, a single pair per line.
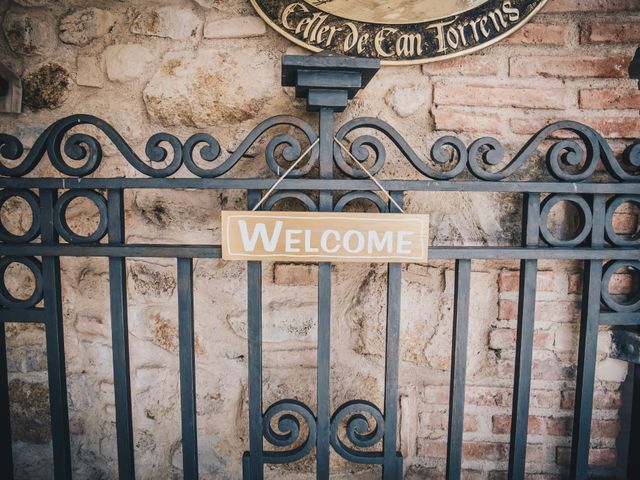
324,237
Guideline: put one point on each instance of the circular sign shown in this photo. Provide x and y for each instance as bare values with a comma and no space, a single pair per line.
397,31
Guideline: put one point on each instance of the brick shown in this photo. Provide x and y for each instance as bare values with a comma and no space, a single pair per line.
463,121
601,457
599,32
439,421
564,6
505,339
503,397
436,395
552,369
566,338
430,448
500,96
294,274
537,425
611,370
544,399
547,311
575,283
602,399
569,67
477,450
509,281
488,397
625,223
558,311
621,284
497,451
423,472
607,98
609,127
538,34
504,475
605,428
469,66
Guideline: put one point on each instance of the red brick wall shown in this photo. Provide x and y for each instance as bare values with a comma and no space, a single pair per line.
570,62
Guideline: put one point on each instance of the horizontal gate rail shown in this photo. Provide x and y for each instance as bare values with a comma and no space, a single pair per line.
214,251
328,183
311,184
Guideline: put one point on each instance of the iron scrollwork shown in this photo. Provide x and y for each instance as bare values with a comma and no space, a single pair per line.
81,147
288,433
364,428
567,159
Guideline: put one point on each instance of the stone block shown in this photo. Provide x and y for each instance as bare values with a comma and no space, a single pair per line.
127,62
29,33
168,22
83,26
89,73
46,86
406,101
194,89
237,27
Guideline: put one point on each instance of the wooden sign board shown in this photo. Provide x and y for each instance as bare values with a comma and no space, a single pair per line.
324,237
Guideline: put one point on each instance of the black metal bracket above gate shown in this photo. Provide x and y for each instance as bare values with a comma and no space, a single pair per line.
358,430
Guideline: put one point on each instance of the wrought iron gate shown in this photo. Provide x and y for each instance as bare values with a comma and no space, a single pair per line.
370,434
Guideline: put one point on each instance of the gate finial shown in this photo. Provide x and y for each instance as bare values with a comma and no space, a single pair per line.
327,80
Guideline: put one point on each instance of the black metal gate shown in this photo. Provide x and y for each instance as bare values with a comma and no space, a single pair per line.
370,433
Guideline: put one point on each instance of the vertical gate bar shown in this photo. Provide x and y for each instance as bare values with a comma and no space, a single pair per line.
54,333
187,369
324,309
392,462
524,340
587,349
120,338
458,368
633,464
254,338
6,454
324,368
522,381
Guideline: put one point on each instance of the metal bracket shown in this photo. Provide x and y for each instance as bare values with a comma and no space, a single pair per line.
626,346
634,67
10,91
327,80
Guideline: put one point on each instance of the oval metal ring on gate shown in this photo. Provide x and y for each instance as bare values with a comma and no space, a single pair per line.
612,205
586,220
6,298
33,202
60,219
609,299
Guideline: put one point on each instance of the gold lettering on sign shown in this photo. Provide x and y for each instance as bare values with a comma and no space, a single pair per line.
409,44
351,39
294,7
451,35
441,36
514,13
439,27
380,37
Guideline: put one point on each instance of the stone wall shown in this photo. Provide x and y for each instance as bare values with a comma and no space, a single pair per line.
211,65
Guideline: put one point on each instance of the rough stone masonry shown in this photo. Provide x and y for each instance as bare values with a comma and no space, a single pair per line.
212,65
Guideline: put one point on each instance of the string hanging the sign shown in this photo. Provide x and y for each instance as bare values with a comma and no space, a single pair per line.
356,161
359,164
284,175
